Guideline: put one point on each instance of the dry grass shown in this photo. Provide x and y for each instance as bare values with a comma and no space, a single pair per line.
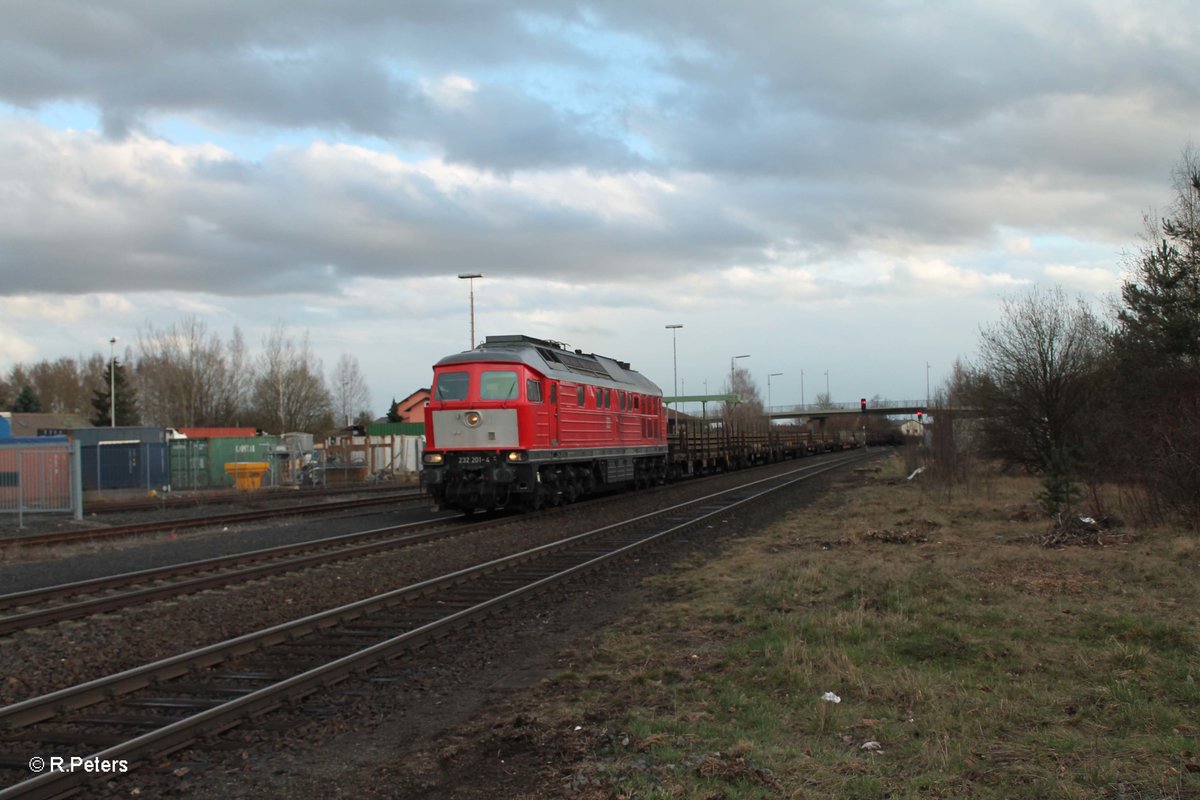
970,661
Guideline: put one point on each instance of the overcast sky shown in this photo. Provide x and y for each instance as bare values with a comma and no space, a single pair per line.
844,187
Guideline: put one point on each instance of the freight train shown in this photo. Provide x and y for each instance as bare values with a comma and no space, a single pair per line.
521,422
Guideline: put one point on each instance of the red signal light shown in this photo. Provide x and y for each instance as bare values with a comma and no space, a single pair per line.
862,404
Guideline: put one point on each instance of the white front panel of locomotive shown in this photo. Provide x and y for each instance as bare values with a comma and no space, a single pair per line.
492,428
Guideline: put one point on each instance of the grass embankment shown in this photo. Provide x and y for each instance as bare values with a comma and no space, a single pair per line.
969,661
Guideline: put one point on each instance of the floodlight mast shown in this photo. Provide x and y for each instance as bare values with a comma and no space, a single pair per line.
470,277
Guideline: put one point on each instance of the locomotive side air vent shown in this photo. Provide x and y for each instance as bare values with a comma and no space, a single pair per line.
584,366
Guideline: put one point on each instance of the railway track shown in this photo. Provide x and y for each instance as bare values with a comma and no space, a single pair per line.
229,497
45,606
159,708
162,526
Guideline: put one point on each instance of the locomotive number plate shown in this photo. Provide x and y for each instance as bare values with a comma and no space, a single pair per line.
472,459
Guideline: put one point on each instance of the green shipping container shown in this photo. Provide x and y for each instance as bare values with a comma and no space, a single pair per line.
254,448
396,429
189,464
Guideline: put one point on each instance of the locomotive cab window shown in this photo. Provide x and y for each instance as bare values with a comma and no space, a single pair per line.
533,390
582,396
452,386
498,385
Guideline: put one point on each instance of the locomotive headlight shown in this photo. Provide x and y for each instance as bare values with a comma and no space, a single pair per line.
472,418
432,458
516,455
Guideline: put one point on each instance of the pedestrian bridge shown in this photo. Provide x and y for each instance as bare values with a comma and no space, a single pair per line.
881,408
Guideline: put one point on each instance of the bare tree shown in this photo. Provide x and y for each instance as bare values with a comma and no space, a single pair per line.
239,377
184,376
62,386
351,398
289,391
1037,380
750,408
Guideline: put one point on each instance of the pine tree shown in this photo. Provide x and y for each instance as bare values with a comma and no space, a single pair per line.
392,414
27,401
127,403
1160,321
1156,380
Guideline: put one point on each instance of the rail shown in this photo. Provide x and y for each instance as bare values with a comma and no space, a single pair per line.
447,602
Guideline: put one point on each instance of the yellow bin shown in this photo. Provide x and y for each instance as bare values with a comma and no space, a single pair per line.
247,474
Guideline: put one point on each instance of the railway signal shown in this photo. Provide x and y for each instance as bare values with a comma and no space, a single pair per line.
862,404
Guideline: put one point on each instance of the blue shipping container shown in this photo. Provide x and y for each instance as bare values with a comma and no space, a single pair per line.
126,465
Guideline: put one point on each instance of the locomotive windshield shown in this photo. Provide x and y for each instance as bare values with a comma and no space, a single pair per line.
498,385
452,386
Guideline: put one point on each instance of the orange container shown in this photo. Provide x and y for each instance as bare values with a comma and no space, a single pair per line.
247,474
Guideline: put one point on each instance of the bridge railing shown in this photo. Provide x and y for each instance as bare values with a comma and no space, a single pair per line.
901,407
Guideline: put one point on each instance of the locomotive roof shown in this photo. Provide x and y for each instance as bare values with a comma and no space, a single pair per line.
553,359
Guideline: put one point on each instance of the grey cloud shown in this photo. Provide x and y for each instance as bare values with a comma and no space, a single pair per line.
812,128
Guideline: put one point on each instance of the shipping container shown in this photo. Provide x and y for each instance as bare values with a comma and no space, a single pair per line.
189,465
140,434
127,464
200,463
39,475
124,457
217,433
396,429
229,450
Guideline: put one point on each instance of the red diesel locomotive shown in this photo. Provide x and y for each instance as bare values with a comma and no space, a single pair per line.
521,422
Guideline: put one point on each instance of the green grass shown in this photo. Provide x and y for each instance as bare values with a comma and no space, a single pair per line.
983,665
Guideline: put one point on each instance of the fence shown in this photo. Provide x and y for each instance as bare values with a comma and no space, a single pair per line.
40,477
355,458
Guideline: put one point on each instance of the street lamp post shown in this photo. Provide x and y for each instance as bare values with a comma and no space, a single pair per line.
674,360
112,382
731,360
828,396
927,384
801,389
470,277
772,375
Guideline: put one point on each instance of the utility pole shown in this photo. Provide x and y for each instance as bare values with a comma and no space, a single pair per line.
112,382
674,359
